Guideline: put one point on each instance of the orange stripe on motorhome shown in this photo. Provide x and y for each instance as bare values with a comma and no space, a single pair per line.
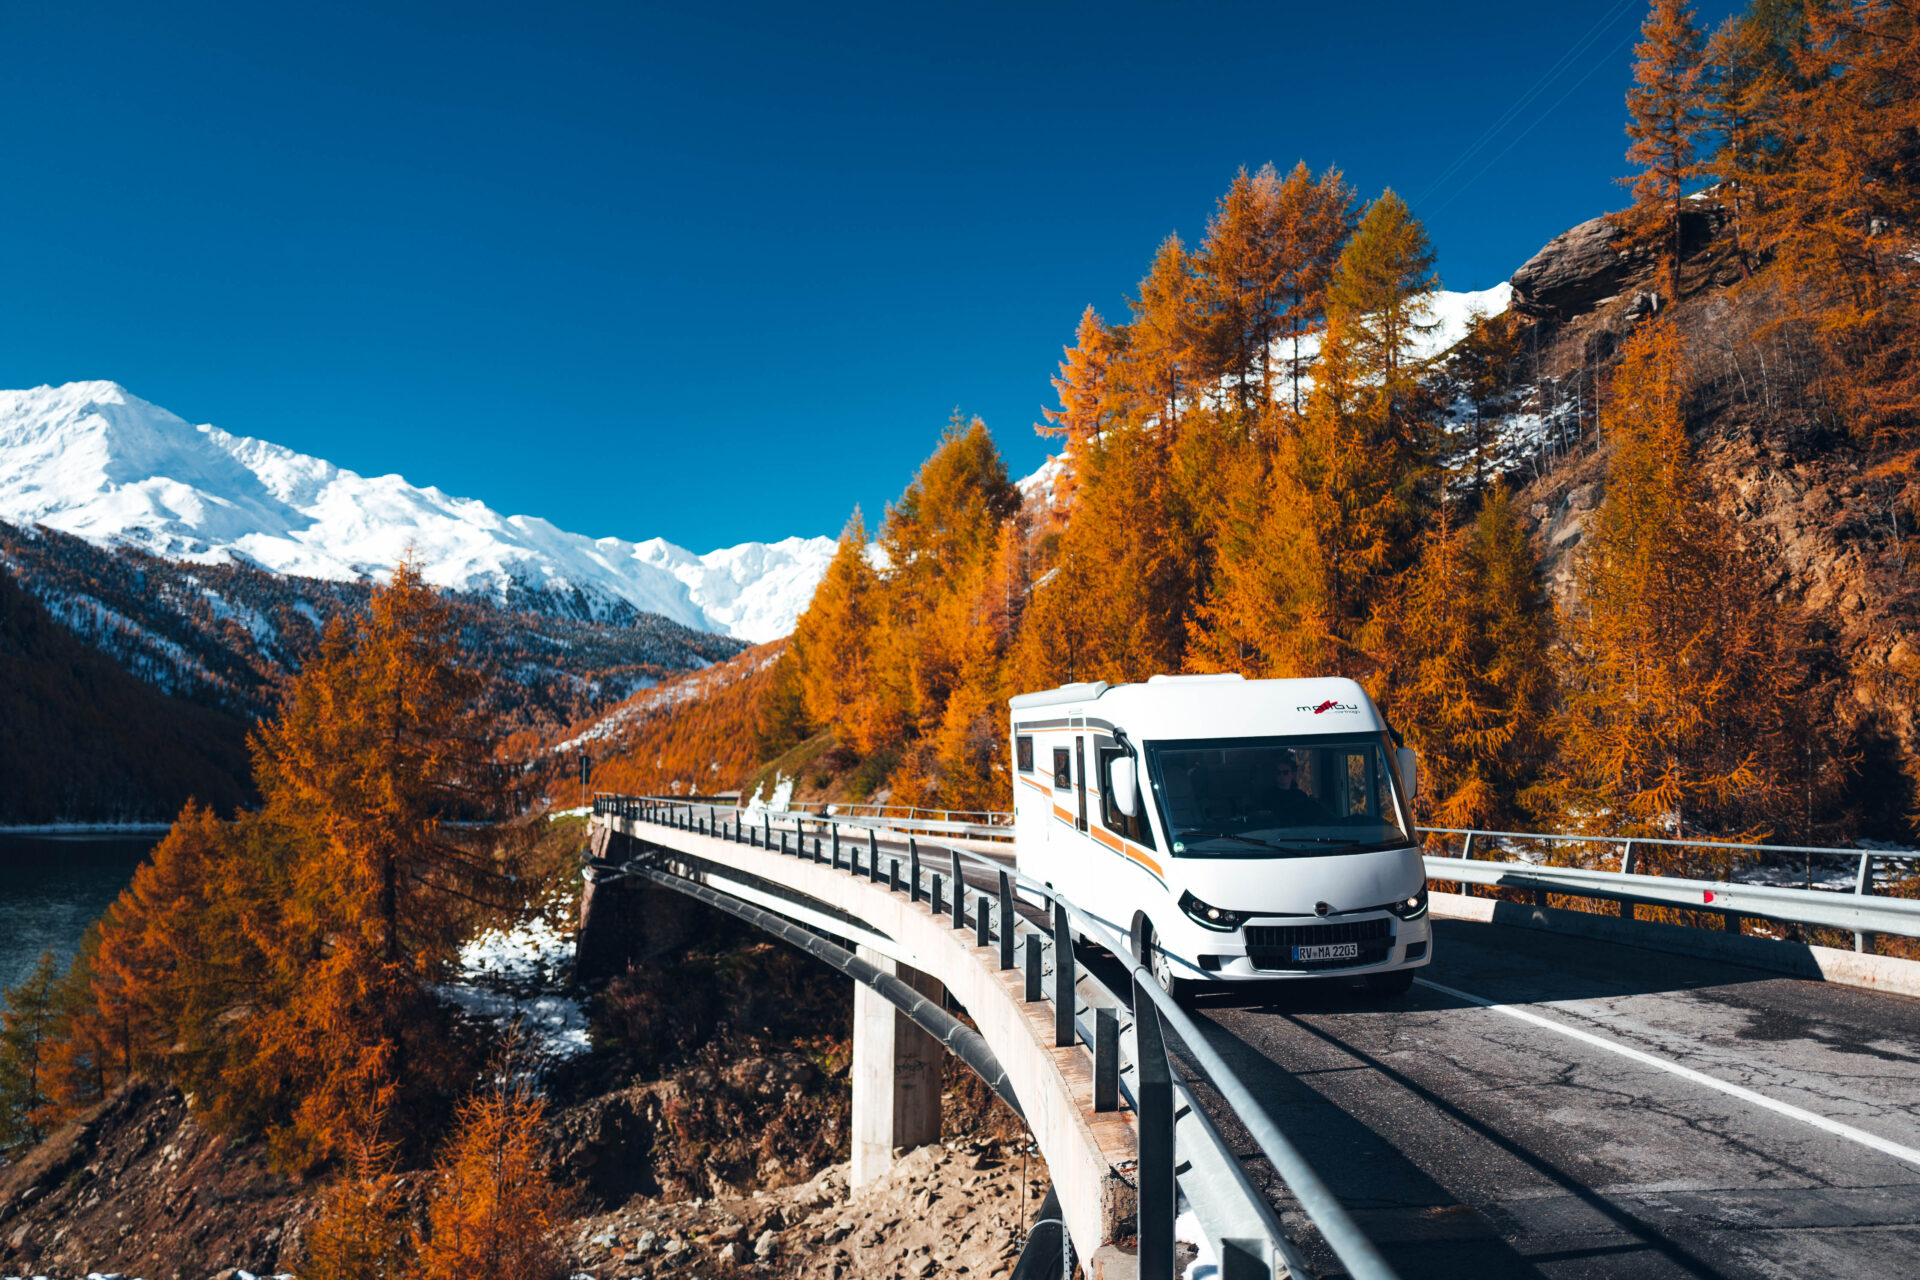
1121,847
1041,787
1065,815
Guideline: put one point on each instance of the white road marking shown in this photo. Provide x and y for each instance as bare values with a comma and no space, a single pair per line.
1847,1131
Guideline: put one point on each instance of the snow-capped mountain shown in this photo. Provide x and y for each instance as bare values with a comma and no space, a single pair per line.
93,460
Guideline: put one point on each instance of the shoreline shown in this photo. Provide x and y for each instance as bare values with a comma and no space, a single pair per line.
86,829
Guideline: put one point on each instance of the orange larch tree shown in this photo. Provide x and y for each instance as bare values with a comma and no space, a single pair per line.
1666,115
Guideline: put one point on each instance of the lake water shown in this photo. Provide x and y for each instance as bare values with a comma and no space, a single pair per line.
53,887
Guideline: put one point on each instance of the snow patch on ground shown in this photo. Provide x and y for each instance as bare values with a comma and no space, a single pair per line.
518,974
776,802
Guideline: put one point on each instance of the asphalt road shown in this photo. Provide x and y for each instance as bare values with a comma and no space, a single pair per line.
1470,1142
1544,1106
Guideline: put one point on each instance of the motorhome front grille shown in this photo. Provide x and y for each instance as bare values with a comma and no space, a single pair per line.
1271,936
1271,946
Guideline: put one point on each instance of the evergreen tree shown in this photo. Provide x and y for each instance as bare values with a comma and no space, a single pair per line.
1666,115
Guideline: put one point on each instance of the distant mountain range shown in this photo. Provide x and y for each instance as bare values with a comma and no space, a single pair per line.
93,460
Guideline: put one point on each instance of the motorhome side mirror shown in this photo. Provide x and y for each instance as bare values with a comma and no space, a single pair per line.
1410,771
1122,783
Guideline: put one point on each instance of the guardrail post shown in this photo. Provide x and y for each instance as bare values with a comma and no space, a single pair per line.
893,874
1626,869
1036,984
1106,1059
1243,1260
937,908
817,855
873,856
982,922
1063,999
1862,886
1153,1098
959,894
913,869
1006,922
834,829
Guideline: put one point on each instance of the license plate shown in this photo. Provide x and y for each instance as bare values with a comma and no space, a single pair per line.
1329,951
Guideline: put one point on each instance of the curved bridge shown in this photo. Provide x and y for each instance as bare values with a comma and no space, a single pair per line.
1558,1098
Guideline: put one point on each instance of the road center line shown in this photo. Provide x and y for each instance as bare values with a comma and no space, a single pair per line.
1847,1131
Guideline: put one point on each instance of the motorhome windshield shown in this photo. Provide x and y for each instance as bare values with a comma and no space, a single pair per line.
1268,797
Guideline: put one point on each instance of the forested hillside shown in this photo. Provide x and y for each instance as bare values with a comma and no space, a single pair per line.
1632,555
84,737
224,638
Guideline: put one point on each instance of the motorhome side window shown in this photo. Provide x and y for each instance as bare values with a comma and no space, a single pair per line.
1135,826
1023,753
1062,769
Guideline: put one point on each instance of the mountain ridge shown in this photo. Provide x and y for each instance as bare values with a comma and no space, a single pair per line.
94,460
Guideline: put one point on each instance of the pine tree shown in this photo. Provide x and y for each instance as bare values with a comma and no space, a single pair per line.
1313,219
1114,606
361,1231
833,640
1472,682
1480,373
1665,118
1161,374
1089,404
780,720
1839,221
1347,489
1681,662
495,1209
1239,266
1751,77
28,1031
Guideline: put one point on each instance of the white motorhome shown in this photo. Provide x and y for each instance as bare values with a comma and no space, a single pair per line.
1227,829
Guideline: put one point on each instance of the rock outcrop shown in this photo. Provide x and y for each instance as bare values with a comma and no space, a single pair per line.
1576,271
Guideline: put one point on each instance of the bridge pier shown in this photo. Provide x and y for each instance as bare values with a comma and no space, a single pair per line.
896,1073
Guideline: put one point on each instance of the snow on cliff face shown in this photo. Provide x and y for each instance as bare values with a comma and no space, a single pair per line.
90,459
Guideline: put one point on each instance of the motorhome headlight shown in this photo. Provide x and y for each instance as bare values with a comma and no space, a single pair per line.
1411,907
1218,918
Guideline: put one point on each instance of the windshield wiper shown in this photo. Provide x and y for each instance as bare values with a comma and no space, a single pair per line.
1226,835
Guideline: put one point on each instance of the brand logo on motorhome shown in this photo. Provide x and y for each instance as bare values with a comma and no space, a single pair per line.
1344,708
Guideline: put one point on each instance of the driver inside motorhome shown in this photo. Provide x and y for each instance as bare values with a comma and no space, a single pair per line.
1292,795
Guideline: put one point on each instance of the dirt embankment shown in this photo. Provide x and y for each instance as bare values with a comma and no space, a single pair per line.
138,1186
719,1077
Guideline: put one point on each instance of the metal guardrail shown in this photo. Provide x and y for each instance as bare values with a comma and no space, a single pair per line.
1818,907
892,812
1180,1149
1859,910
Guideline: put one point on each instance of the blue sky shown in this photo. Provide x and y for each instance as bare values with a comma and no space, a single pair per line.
712,272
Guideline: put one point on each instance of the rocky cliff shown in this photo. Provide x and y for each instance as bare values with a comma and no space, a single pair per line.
1834,539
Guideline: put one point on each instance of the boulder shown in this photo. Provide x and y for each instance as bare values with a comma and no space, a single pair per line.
1576,270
